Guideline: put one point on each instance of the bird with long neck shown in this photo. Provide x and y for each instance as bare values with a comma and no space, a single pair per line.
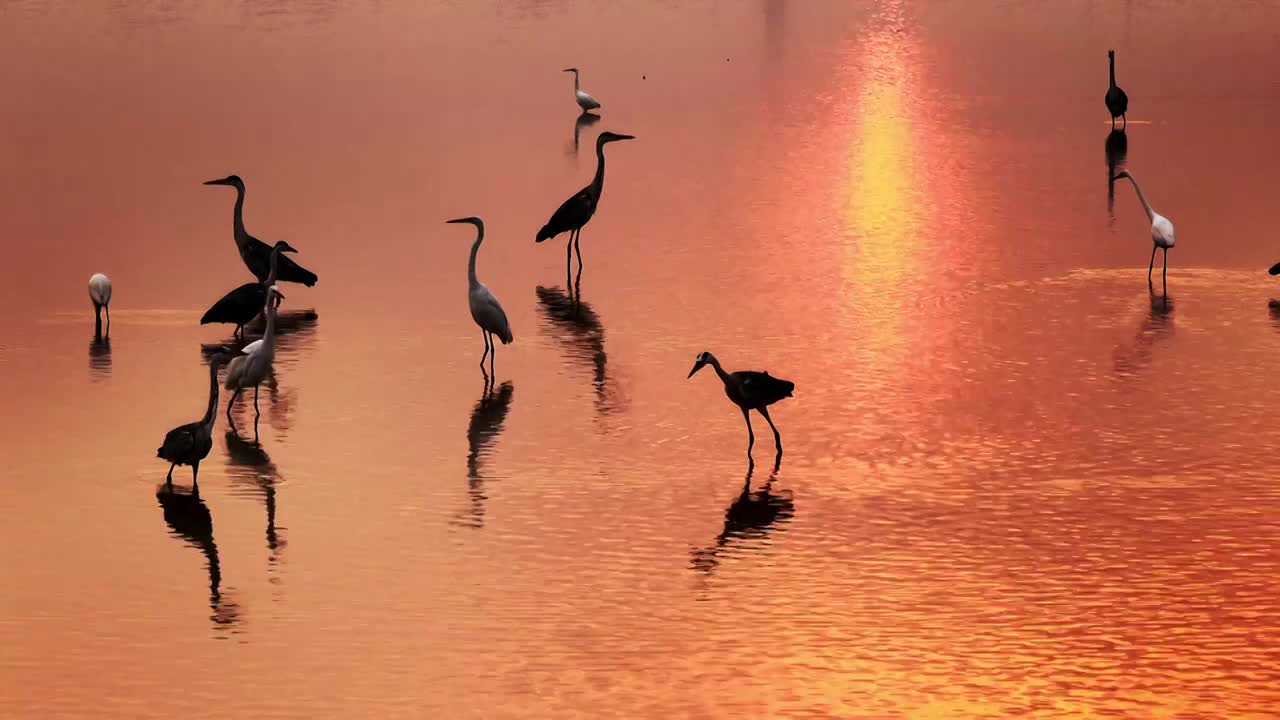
252,367
240,306
750,390
1162,235
486,311
584,100
254,252
100,294
189,444
1116,100
578,210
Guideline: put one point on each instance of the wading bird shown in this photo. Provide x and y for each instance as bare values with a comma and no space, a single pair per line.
255,253
240,306
100,294
585,101
254,364
189,444
750,390
1117,101
1161,229
485,308
578,210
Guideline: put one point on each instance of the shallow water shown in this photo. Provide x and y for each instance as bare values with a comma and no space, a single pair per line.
1016,480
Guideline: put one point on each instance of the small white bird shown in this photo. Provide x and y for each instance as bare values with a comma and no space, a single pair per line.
254,365
585,101
100,294
485,308
1161,229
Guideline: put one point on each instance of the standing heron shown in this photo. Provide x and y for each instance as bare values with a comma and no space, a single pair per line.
1117,101
485,308
100,294
254,364
585,101
1161,230
578,210
189,444
255,253
750,390
240,306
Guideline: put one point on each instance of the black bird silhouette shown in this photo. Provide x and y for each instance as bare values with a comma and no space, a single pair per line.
240,306
1117,101
750,390
189,444
578,210
751,516
255,253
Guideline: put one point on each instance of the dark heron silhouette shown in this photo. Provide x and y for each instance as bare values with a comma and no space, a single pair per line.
189,519
750,517
1117,101
253,366
189,444
1117,151
240,306
1161,230
100,294
577,211
750,390
255,253
485,308
585,101
586,119
250,465
486,425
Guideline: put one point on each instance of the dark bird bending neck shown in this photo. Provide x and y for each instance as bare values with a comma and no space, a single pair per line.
597,183
241,236
207,420
1111,60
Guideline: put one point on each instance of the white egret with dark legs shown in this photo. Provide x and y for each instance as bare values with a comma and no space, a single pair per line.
254,364
100,294
578,210
1161,229
189,444
750,390
585,101
485,308
255,253
240,306
1117,101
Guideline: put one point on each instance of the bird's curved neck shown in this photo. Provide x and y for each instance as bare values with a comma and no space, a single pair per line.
1111,60
724,376
575,81
213,395
269,335
597,183
275,262
1151,214
475,250
238,218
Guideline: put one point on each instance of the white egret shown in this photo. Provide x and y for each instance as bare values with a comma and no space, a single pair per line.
255,253
189,444
100,294
253,366
749,390
1161,229
579,209
585,101
1117,101
485,308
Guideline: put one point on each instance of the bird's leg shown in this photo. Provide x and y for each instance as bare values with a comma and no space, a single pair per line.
484,333
195,476
777,439
578,249
751,436
231,403
1125,117
1164,274
568,257
169,478
108,309
493,353
256,411
1152,264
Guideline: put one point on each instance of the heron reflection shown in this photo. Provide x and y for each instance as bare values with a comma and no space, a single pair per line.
1117,152
294,331
483,430
189,520
100,357
577,327
1156,325
748,521
586,119
251,467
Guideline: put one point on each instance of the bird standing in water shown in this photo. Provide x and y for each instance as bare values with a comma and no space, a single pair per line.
750,390
1117,101
585,101
100,294
252,367
579,209
189,444
1161,229
255,253
240,306
485,308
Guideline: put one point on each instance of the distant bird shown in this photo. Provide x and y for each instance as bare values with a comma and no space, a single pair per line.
253,365
578,210
749,390
255,253
1161,229
240,306
585,101
1117,101
189,444
100,294
485,308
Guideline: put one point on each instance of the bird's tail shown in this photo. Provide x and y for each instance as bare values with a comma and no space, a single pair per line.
159,452
506,339
788,386
1275,269
206,318
545,233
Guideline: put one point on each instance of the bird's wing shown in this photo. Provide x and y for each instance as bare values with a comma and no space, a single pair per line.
235,304
488,313
1162,228
179,441
235,371
762,388
252,347
587,101
572,211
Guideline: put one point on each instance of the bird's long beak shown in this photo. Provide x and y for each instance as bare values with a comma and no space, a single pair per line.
570,70
459,220
696,368
216,182
624,137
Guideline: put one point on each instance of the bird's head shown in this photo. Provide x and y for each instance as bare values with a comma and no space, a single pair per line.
284,247
704,358
274,291
232,180
1111,54
469,221
608,137
572,70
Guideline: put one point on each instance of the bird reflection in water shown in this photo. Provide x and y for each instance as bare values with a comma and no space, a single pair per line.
251,467
295,331
485,427
189,520
586,119
100,358
1156,325
577,327
1117,151
748,521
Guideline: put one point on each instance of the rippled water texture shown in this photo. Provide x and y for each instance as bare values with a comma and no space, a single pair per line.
1016,480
